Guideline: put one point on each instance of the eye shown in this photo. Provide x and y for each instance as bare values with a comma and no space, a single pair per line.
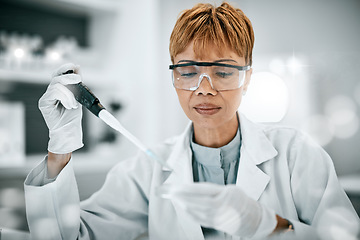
188,75
187,71
224,74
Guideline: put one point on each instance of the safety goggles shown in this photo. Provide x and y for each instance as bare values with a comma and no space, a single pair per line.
188,76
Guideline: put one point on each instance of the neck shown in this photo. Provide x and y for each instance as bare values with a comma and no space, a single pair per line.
218,136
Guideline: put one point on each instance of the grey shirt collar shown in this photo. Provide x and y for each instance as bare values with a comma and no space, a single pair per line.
217,157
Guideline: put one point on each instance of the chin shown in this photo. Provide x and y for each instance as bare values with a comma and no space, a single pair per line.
207,122
219,120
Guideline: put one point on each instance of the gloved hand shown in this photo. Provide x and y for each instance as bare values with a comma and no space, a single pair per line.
62,113
225,208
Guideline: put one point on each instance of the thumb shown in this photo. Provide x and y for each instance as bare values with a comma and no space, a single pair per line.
59,75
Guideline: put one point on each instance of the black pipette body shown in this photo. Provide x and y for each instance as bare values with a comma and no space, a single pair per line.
84,96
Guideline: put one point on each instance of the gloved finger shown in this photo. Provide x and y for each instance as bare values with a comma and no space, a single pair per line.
64,68
65,96
195,206
61,75
203,213
224,215
205,220
53,99
218,219
66,79
58,92
205,201
207,198
188,203
46,100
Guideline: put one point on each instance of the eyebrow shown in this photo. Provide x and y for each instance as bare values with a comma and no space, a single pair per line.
226,60
220,60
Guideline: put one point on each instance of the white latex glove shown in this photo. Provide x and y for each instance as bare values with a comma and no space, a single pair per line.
225,208
62,113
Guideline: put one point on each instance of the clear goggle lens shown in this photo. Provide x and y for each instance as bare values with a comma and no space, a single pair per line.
221,78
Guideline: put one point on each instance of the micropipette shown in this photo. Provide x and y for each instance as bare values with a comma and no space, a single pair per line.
85,97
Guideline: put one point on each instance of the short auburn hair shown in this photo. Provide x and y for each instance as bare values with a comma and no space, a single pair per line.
224,26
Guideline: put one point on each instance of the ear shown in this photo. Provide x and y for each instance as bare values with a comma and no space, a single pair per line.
247,79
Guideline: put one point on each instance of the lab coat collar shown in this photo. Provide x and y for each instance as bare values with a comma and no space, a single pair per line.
255,141
181,156
255,149
180,161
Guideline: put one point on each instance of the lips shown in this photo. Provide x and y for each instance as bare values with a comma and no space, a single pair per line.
207,108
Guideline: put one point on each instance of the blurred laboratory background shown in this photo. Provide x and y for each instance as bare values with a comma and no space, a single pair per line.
306,72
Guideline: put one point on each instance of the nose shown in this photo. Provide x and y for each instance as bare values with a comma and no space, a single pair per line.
205,87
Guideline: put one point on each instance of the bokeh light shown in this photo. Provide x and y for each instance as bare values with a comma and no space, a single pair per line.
277,66
319,128
12,198
266,99
11,201
341,111
55,55
294,65
19,53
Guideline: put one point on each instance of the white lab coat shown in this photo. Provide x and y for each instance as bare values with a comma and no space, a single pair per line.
279,167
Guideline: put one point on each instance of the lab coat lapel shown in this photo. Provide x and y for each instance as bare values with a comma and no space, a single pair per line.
180,161
255,149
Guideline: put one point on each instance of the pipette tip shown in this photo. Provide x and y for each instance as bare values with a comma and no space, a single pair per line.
159,160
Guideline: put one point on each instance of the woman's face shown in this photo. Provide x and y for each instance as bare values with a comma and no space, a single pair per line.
206,107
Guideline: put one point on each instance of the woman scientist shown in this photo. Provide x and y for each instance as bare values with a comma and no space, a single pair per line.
251,181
